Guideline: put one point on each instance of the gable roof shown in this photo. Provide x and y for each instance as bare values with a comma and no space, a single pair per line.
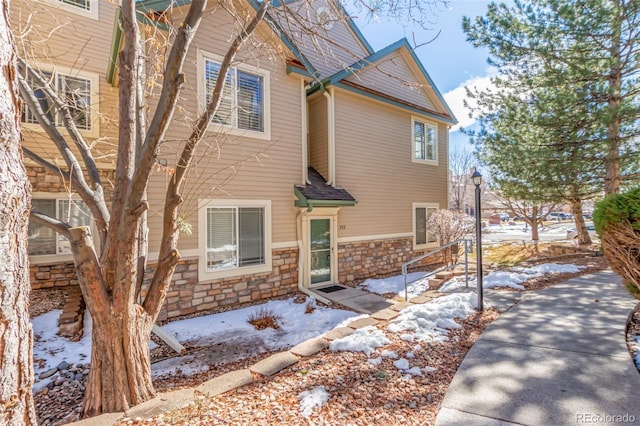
341,79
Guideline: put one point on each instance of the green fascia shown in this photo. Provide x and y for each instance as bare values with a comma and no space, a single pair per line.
296,70
388,101
302,201
275,27
352,25
118,34
363,63
116,40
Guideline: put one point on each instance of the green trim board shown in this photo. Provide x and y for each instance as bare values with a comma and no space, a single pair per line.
382,53
303,201
352,25
118,34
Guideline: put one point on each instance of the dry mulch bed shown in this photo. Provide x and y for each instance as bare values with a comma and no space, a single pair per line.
46,300
361,394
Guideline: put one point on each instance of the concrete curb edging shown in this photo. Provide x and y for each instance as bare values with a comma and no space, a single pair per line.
235,379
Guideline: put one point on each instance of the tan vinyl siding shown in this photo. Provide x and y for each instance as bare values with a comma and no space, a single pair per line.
318,141
230,166
52,42
330,50
394,76
373,163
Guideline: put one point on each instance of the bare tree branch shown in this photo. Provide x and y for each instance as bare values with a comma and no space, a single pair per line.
168,252
93,199
50,222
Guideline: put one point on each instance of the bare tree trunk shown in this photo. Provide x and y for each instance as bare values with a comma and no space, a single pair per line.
612,161
16,336
534,224
581,226
120,375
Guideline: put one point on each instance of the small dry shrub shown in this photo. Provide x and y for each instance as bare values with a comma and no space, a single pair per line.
264,318
309,307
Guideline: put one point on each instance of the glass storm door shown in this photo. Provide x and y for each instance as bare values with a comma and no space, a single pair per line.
320,250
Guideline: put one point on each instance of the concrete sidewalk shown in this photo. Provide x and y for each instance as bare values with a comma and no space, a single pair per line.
559,357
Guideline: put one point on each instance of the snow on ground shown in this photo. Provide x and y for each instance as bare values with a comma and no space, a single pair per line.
512,277
396,284
429,322
295,325
49,349
636,339
365,339
231,328
310,399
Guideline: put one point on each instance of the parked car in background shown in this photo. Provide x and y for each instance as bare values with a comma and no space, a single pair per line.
504,217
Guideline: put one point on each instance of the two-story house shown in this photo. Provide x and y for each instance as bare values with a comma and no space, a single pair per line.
322,165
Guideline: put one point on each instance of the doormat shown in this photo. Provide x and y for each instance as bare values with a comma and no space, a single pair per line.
331,289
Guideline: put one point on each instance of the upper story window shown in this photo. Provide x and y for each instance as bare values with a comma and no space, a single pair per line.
83,7
44,240
244,107
78,93
424,137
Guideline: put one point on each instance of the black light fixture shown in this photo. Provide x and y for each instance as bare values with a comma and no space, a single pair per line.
476,177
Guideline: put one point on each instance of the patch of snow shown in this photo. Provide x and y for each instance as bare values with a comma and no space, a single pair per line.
365,339
414,371
375,361
512,277
401,364
431,321
389,354
351,319
310,399
52,349
428,369
409,355
395,284
187,365
230,326
407,337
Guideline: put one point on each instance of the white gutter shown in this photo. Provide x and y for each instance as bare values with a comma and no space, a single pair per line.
331,137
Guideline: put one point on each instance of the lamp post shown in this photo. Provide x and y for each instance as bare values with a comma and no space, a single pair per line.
476,177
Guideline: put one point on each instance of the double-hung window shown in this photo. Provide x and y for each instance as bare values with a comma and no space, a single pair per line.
421,213
235,236
74,90
424,138
44,240
244,105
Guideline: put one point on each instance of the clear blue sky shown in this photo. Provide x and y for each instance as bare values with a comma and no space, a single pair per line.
451,61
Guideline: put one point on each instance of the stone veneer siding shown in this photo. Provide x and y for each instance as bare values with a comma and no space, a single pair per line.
187,296
53,275
366,259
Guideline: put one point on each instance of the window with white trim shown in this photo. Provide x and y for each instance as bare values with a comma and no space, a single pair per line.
243,97
82,7
236,237
424,137
421,213
75,90
44,240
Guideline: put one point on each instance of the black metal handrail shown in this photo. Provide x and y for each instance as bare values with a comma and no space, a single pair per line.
468,248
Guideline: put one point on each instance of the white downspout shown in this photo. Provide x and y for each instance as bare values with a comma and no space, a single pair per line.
330,137
305,133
